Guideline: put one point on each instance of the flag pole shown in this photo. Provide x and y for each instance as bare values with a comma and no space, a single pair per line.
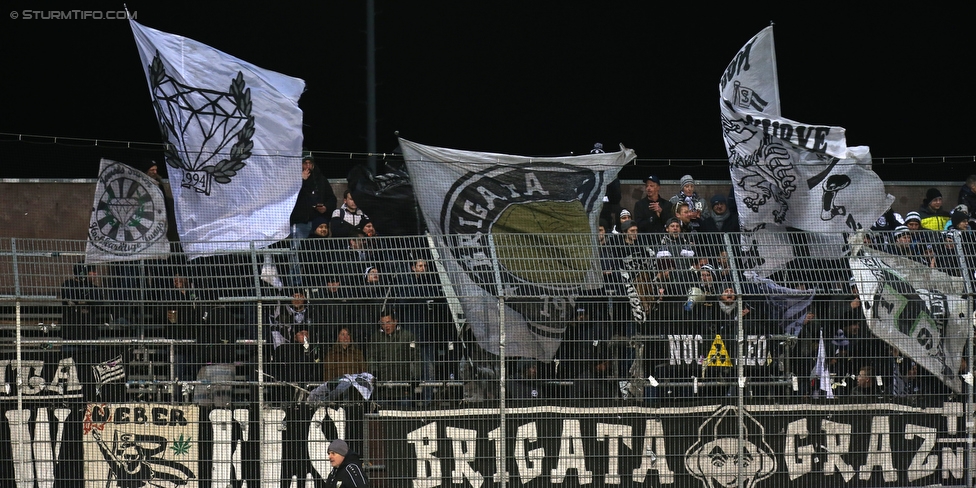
775,70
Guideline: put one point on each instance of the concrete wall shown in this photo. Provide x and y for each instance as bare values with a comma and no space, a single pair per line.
60,209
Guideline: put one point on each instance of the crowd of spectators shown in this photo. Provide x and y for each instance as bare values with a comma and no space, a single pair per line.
674,318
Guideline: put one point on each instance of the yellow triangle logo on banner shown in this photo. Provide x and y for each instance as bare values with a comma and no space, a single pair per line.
718,355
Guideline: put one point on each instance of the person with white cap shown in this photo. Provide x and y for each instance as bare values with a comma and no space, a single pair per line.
913,221
347,468
903,245
624,217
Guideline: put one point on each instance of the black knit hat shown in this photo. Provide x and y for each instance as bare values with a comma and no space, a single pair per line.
931,194
958,217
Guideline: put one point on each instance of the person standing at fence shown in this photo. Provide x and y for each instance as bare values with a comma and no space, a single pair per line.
684,212
721,218
355,258
82,307
423,311
291,349
586,356
392,357
931,213
318,256
290,319
866,382
182,315
903,246
83,314
347,468
687,194
371,295
315,199
676,245
922,239
652,211
348,218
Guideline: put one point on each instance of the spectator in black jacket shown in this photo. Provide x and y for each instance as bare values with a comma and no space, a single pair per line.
967,193
315,198
347,468
651,212
722,218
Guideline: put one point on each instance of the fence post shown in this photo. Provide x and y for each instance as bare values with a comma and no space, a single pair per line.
502,457
967,275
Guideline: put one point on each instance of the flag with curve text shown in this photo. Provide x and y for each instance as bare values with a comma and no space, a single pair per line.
788,174
128,219
233,134
516,229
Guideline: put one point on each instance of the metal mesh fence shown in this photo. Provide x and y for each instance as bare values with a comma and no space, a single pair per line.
525,360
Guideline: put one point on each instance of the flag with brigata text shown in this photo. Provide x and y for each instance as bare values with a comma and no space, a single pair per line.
128,218
788,174
233,134
515,228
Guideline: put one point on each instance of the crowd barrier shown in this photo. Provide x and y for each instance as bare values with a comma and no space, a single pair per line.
708,360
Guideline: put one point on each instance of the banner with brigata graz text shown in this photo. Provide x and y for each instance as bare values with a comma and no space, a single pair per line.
49,444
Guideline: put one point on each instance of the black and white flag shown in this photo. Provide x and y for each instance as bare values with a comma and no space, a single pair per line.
788,174
517,228
234,141
109,371
128,219
919,310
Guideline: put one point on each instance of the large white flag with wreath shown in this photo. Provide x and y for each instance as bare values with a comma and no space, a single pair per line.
234,135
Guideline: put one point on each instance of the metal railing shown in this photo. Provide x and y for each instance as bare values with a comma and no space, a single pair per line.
792,360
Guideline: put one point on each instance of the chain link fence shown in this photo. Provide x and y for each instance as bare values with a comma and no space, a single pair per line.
694,359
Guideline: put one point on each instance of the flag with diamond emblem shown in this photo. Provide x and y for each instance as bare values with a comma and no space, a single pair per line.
233,134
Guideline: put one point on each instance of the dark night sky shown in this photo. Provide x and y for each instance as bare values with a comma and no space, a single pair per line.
530,78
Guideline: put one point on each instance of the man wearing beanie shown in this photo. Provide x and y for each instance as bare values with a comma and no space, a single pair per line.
722,218
932,215
347,469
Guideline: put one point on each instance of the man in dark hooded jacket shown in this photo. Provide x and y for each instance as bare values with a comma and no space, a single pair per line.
347,469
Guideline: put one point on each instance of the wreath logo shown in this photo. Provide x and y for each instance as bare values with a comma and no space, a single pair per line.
198,123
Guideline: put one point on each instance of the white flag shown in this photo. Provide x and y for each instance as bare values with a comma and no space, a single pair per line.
820,369
128,219
919,310
786,173
235,134
518,220
109,371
